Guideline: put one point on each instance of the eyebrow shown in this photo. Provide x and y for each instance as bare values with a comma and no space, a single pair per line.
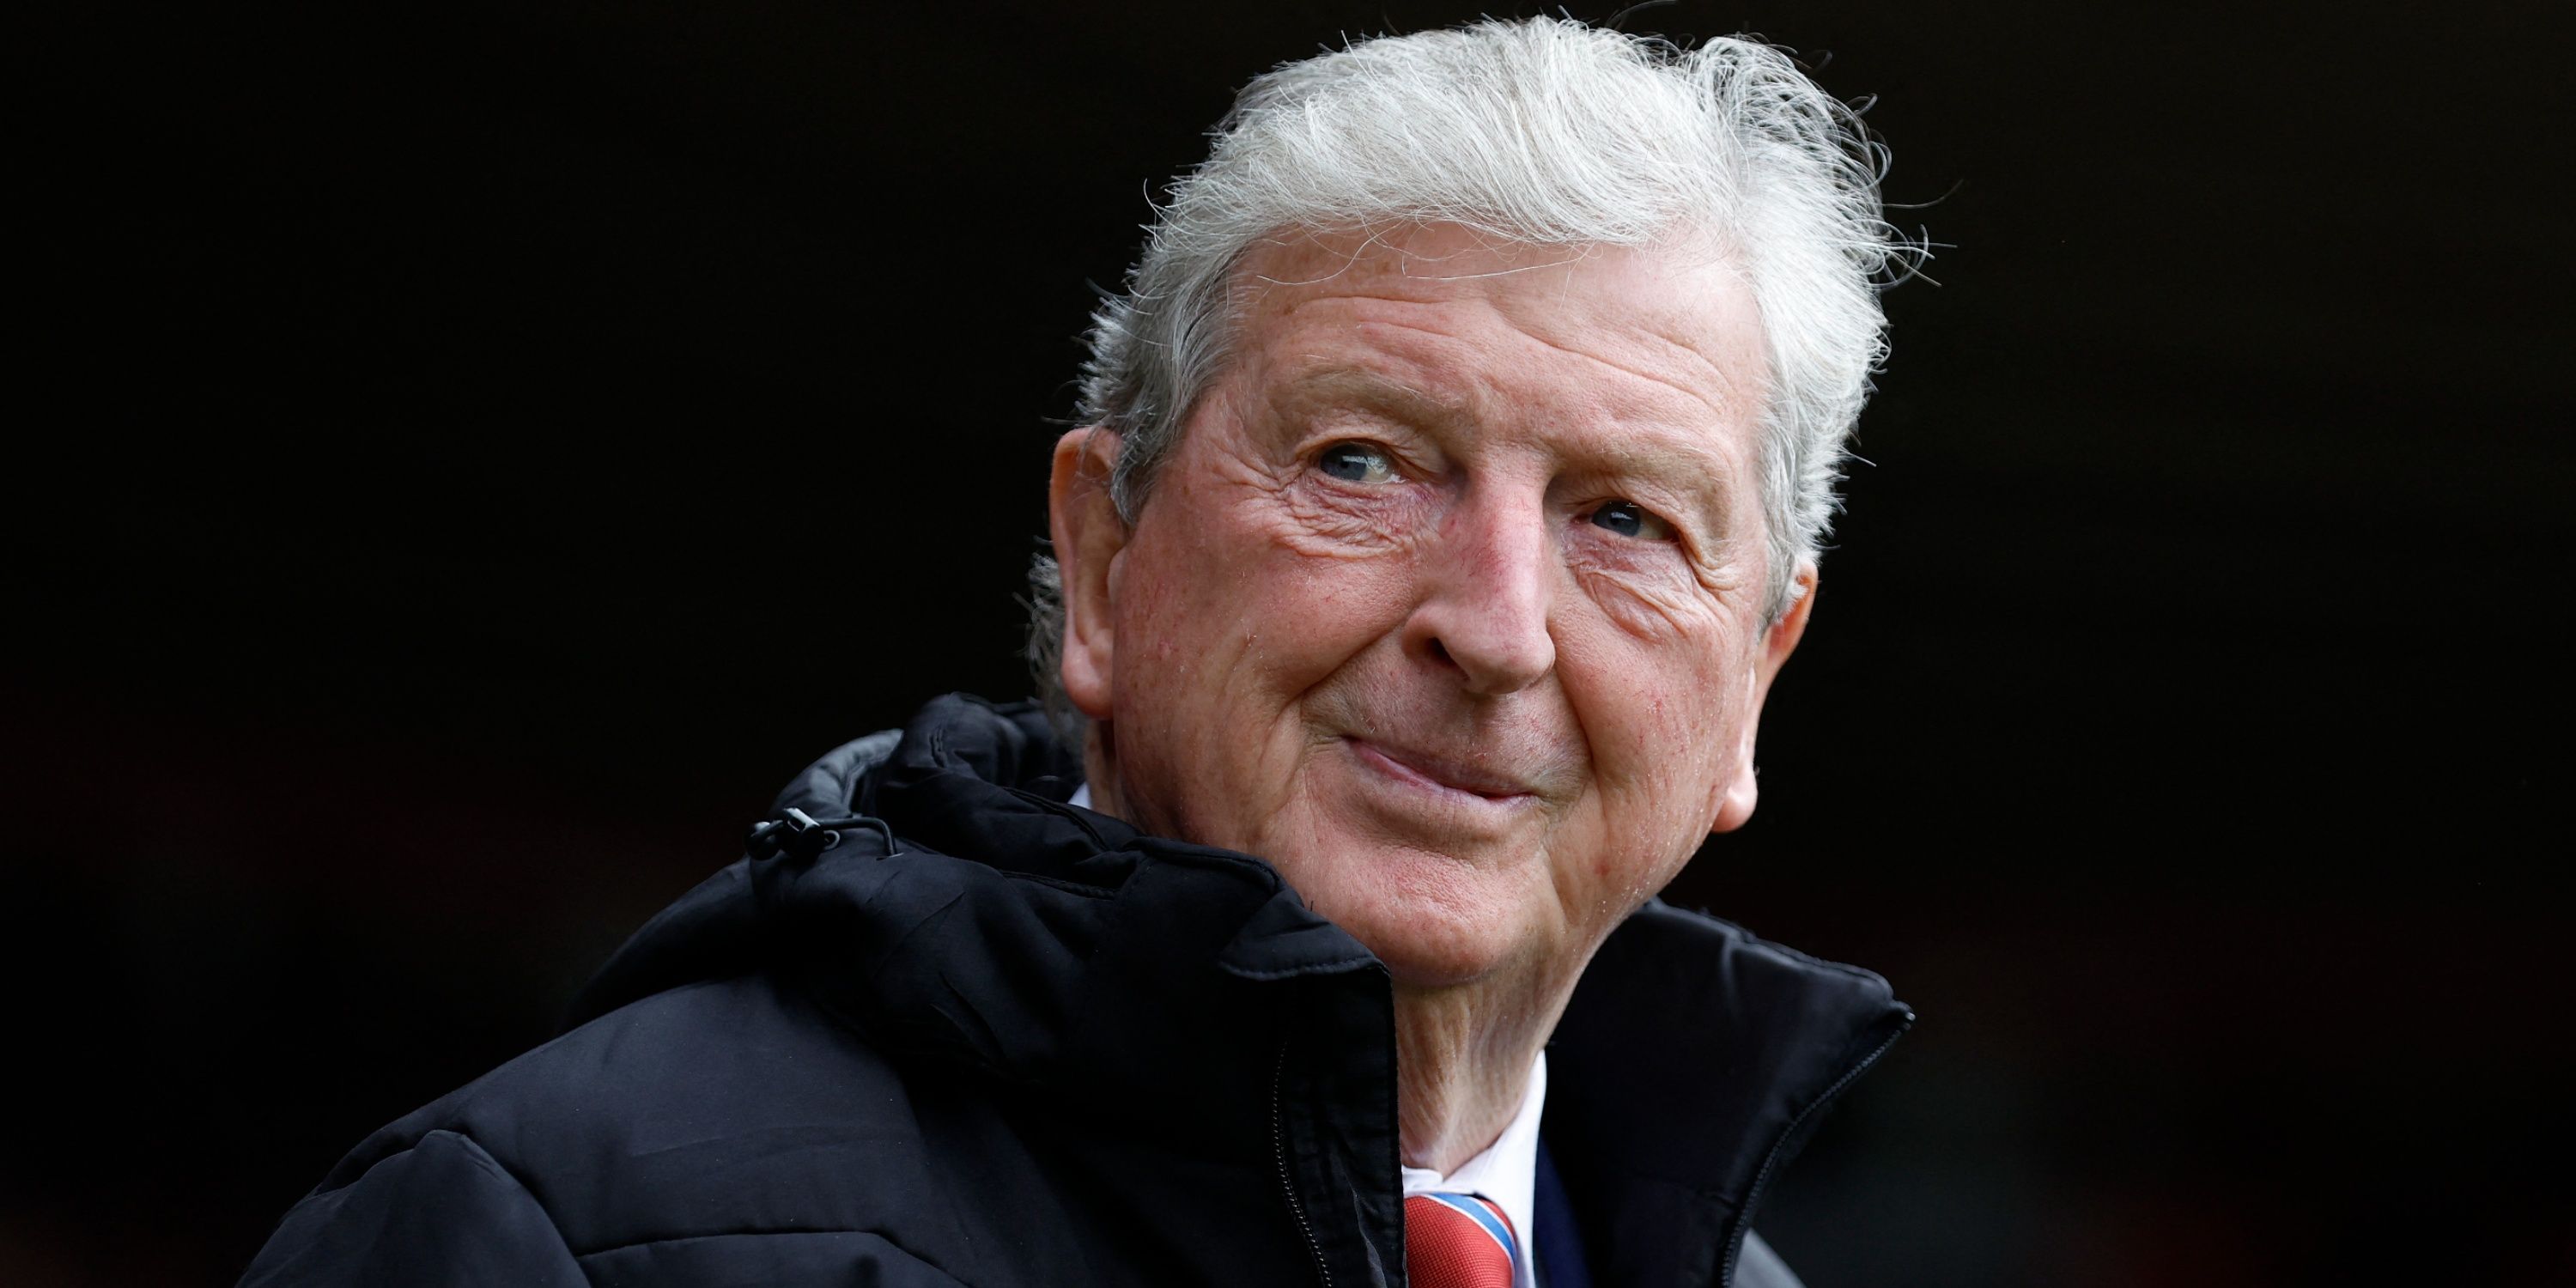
1372,389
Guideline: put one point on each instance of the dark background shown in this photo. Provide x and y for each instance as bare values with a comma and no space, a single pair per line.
470,455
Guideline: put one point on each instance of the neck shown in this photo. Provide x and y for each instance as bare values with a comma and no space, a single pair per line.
1100,772
1462,1058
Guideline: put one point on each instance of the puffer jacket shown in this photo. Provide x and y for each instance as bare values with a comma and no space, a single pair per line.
940,1028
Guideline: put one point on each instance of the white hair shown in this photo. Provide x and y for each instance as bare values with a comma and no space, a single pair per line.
1542,133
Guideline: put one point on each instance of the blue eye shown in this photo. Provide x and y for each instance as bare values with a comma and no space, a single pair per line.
1629,519
1357,463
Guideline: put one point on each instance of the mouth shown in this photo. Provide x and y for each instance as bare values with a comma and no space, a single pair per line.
1450,778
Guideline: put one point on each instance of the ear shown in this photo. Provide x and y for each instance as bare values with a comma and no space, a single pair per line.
1088,536
1736,806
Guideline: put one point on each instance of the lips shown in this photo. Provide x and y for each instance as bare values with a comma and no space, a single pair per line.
1445,773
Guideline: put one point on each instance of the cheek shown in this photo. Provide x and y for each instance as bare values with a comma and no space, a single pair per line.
1228,596
1664,717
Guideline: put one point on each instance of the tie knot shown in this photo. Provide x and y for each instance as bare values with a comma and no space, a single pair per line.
1458,1241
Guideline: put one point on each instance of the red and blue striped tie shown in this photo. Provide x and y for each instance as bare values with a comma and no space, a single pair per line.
1458,1241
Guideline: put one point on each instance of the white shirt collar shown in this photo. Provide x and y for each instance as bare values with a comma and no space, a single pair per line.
1507,1172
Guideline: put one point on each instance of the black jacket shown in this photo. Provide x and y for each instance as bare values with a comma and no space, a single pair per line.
983,1037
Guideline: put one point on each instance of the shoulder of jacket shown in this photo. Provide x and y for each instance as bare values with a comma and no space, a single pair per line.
717,1057
444,1211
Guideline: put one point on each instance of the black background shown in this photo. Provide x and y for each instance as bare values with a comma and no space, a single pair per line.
469,456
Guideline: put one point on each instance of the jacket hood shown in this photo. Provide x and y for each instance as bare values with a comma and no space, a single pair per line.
933,890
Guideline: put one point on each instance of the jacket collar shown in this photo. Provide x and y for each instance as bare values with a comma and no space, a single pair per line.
1665,1155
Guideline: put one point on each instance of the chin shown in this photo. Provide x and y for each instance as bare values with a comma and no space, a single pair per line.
1434,919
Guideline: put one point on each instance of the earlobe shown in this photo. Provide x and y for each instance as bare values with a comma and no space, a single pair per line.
1083,521
1735,805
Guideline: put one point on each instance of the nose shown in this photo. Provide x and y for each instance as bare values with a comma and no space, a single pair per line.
1488,579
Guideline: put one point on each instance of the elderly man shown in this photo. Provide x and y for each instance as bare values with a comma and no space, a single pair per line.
1455,466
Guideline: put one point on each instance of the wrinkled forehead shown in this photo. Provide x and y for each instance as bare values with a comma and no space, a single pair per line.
1669,334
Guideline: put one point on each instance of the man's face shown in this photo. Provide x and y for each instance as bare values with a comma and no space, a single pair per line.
1447,602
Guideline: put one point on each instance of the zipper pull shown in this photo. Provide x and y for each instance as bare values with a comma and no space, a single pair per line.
802,835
